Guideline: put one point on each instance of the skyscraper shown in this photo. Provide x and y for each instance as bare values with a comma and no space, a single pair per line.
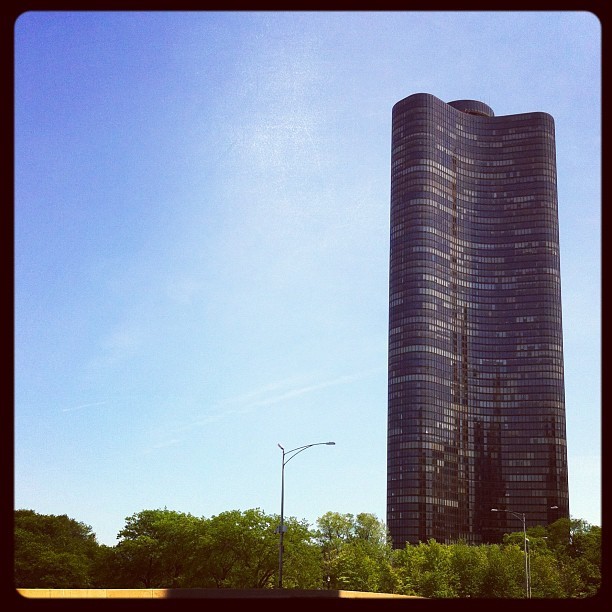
476,412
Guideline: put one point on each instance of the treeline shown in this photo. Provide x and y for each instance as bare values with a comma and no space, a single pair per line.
239,549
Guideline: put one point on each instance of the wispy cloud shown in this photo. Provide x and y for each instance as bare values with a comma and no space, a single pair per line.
275,399
160,445
262,397
274,393
265,389
83,406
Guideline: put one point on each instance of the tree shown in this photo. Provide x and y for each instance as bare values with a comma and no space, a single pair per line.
505,574
107,571
577,547
334,530
469,565
430,569
302,565
240,550
367,528
545,576
52,551
156,548
364,565
356,552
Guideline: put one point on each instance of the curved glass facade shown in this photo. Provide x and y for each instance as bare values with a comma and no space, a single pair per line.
476,412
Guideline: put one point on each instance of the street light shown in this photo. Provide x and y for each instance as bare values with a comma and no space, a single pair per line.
290,454
527,568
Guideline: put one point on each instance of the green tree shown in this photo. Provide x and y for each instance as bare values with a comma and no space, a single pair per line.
334,530
107,572
405,563
240,550
52,551
356,552
577,547
505,575
368,528
367,556
164,548
546,580
156,548
434,577
586,551
469,565
302,565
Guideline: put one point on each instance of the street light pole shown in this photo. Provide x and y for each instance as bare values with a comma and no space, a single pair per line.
287,456
527,568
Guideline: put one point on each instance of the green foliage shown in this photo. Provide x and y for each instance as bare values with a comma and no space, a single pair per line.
505,574
52,551
546,578
355,553
469,565
578,548
441,570
155,549
301,557
239,549
434,577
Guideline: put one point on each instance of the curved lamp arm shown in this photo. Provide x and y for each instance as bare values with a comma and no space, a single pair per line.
281,529
299,449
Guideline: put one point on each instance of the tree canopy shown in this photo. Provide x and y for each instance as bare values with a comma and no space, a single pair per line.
52,551
239,549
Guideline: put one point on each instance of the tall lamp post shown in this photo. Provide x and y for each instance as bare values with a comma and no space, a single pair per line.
287,456
521,516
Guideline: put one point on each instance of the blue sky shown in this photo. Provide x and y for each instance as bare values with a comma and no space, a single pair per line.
202,247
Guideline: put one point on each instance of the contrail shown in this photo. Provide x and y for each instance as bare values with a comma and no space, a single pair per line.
82,406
